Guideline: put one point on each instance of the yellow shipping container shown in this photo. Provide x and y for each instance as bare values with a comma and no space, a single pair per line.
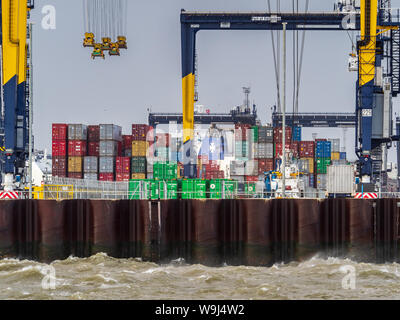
310,164
75,164
335,156
137,176
139,148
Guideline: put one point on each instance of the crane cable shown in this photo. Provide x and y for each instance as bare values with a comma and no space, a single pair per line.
105,21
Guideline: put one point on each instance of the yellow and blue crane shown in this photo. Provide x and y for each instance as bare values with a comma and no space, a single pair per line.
14,100
378,46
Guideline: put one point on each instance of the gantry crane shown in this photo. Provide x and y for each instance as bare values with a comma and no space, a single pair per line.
378,67
14,99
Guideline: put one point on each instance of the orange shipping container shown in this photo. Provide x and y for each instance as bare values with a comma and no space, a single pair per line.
139,148
137,176
75,164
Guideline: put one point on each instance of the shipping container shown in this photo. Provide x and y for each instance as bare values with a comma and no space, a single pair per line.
241,149
75,165
139,148
343,156
106,177
162,153
150,136
77,132
138,176
107,165
127,142
340,179
242,132
59,167
75,175
110,132
323,149
306,149
94,133
264,151
306,165
108,148
230,189
162,140
91,165
77,148
335,155
296,134
312,181
122,177
254,133
291,150
278,135
59,148
335,145
251,168
59,131
90,176
251,178
138,165
193,189
165,170
265,165
321,181
139,132
250,189
237,168
215,189
168,189
265,134
123,165
322,164
93,149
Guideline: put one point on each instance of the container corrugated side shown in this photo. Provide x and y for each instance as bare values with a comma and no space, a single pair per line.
340,179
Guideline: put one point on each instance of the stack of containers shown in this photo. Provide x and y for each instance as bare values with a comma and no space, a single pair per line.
127,146
242,138
59,150
110,148
77,150
265,151
91,167
150,138
94,141
335,155
306,160
162,143
140,133
290,148
122,169
211,170
323,153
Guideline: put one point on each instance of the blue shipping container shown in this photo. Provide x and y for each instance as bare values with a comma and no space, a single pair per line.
312,181
296,134
343,156
323,149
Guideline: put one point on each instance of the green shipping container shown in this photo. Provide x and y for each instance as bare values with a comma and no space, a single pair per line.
200,188
215,188
322,164
194,189
250,188
168,189
138,164
230,189
187,188
255,133
165,170
140,189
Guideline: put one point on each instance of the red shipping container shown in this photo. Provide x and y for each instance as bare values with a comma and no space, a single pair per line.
265,165
139,132
59,131
93,149
123,165
278,134
306,149
122,177
59,148
106,177
77,148
75,175
294,148
127,142
120,146
162,140
251,178
59,167
93,133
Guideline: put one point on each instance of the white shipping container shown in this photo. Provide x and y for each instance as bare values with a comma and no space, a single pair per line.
77,132
251,168
340,179
110,132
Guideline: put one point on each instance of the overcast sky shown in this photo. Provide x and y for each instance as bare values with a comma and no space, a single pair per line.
70,87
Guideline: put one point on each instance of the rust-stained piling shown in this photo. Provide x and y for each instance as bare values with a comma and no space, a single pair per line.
212,232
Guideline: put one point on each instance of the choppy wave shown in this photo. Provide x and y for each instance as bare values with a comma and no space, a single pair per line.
104,277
